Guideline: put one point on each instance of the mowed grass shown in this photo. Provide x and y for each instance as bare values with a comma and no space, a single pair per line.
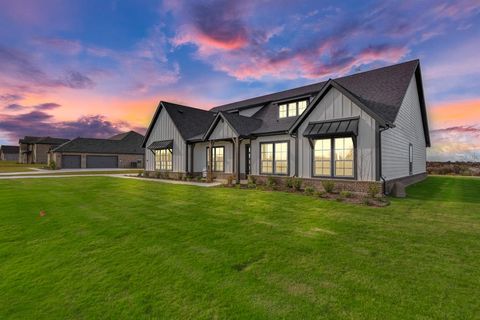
12,166
115,248
78,172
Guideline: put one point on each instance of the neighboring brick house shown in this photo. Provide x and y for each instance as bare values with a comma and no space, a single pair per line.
35,149
9,153
120,151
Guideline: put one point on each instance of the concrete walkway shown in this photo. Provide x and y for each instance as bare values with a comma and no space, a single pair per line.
123,176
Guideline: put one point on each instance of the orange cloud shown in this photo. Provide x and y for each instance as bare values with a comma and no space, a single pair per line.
455,113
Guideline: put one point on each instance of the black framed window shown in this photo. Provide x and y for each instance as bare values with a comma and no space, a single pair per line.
218,158
344,154
291,109
163,159
334,157
410,159
274,158
322,157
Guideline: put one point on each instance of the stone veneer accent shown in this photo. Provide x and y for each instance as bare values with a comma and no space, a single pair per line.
340,184
181,175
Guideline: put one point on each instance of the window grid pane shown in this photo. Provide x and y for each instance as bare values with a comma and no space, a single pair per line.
302,105
281,158
322,157
163,159
282,113
292,109
344,157
266,158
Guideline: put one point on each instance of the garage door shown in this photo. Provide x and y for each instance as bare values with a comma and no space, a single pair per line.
102,162
71,162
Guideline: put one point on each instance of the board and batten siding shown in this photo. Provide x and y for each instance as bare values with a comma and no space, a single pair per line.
222,131
336,105
200,155
255,152
164,129
395,141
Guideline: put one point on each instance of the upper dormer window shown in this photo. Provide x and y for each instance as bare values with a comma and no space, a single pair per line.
291,109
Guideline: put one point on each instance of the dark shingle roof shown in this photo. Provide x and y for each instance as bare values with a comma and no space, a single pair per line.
380,92
192,123
42,140
10,149
287,94
244,126
130,144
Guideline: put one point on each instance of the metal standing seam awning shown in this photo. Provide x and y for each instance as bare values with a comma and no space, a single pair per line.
159,145
332,128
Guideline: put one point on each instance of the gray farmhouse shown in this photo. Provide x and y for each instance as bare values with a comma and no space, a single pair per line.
369,127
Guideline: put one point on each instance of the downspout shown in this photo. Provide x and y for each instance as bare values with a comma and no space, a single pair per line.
384,182
296,155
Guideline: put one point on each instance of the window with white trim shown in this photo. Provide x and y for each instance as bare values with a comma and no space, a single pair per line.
163,159
292,109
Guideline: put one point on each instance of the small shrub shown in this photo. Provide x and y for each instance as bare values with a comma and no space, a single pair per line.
198,178
271,183
297,184
346,194
146,174
52,165
366,201
230,180
309,190
321,194
158,175
328,186
251,182
289,183
373,190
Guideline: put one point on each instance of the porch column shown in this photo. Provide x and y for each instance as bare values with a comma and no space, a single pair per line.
210,162
238,159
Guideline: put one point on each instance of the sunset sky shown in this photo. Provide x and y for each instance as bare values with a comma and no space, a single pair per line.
94,68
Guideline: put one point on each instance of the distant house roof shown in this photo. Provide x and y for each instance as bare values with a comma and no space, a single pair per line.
126,143
42,140
380,92
10,149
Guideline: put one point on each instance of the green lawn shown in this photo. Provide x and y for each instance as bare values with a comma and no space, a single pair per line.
83,172
114,248
12,166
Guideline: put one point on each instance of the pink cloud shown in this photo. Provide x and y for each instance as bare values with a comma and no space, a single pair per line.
460,143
